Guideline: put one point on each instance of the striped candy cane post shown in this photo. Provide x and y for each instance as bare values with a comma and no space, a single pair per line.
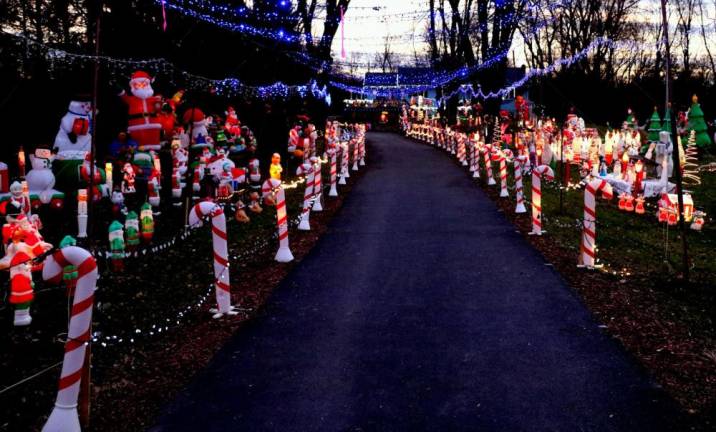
519,189
317,185
272,189
476,159
488,165
453,143
356,152
345,156
222,280
333,152
361,162
461,153
537,174
471,144
306,170
589,233
503,174
64,417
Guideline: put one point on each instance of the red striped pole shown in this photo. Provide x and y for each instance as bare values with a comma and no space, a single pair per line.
461,153
222,280
488,164
537,174
306,170
64,417
274,193
361,140
519,189
589,232
317,185
344,164
476,159
333,153
356,151
503,174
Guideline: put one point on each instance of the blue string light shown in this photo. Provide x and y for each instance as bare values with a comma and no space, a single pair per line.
229,87
208,11
468,89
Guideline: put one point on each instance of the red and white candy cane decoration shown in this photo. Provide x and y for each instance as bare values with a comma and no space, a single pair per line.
345,156
361,135
222,280
488,165
317,185
64,416
356,152
306,170
519,189
476,159
589,232
537,174
461,153
333,153
500,155
272,187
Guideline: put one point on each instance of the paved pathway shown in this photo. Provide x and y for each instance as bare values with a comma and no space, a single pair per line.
420,309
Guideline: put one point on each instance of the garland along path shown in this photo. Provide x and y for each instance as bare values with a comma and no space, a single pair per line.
421,308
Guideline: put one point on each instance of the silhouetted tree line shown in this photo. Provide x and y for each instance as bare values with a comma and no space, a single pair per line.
36,90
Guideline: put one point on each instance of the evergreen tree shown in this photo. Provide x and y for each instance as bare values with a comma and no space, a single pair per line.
698,125
666,126
654,126
630,119
691,162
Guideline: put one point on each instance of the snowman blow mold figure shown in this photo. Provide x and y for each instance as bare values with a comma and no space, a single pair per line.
74,138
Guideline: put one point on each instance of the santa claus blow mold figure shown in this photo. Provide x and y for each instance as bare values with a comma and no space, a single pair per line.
144,123
197,122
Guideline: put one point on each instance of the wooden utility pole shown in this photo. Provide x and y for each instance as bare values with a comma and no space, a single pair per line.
84,403
674,138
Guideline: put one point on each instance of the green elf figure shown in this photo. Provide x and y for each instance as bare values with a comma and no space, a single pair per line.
131,230
116,246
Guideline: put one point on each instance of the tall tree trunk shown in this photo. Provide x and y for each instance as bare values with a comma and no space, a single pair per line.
432,38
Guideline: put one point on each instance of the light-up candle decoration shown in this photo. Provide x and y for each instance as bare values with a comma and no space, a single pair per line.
625,161
82,213
108,176
639,169
21,162
608,148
